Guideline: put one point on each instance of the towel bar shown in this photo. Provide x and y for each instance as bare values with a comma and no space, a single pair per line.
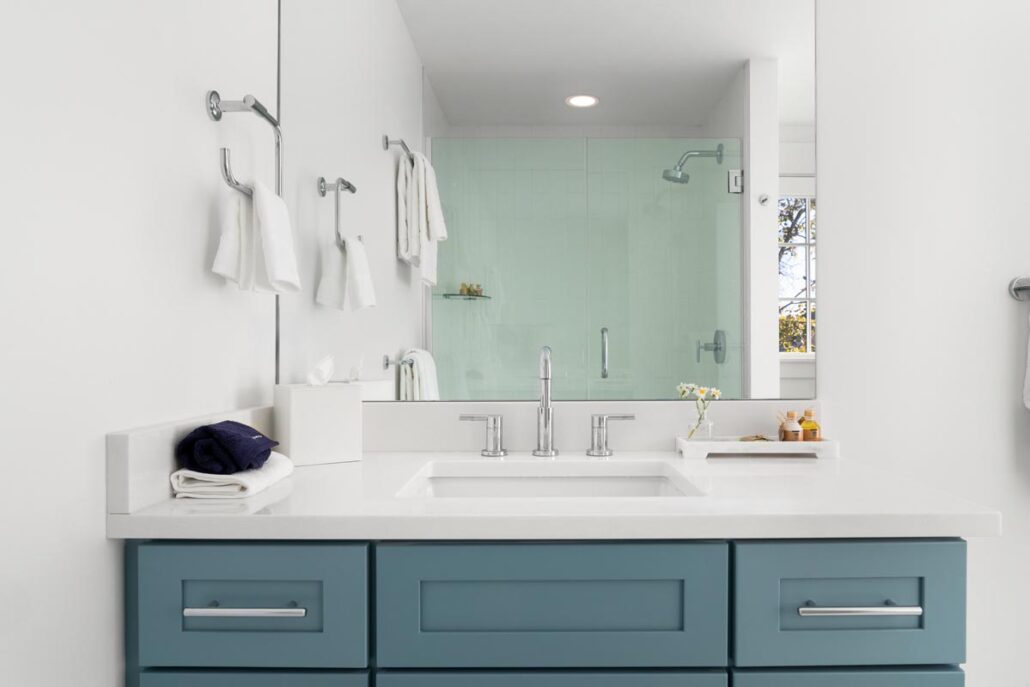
215,107
228,176
340,184
387,142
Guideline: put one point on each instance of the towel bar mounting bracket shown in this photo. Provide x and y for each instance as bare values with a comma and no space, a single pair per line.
1019,288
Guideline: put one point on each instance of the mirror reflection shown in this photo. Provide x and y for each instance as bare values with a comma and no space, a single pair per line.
631,185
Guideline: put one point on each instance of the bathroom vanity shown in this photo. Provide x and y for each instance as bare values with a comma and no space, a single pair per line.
648,570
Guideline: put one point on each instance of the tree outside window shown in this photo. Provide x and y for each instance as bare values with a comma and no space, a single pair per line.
796,244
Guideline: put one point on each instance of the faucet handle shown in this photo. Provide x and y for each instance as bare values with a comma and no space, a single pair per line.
599,433
494,434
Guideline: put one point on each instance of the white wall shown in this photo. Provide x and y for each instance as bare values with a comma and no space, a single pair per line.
111,318
761,162
923,141
349,75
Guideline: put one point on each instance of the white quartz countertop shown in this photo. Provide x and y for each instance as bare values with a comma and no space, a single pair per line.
743,499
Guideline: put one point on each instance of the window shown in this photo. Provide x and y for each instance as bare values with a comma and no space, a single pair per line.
796,246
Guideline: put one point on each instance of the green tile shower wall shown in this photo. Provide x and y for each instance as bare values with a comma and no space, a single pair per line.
571,235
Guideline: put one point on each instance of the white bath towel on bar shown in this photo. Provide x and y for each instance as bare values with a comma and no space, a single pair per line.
255,250
418,379
429,213
346,281
190,484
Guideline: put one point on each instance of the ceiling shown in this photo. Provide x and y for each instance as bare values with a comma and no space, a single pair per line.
651,62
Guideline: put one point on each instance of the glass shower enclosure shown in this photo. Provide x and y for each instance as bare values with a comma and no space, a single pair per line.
583,244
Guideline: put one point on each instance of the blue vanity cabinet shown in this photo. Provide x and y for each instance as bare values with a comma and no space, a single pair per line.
564,605
834,603
817,613
584,678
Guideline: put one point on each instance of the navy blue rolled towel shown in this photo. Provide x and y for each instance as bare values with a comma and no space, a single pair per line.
224,448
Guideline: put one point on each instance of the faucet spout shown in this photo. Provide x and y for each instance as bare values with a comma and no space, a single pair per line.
545,413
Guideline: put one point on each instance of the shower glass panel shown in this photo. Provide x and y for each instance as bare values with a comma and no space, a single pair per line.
569,236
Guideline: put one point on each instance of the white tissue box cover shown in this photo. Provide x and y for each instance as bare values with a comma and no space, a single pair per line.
315,425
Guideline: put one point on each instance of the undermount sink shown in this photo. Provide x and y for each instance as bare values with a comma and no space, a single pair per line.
547,479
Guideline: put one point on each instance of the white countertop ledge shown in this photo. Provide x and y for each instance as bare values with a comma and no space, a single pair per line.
744,499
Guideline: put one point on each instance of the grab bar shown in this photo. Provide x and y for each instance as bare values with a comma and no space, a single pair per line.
604,352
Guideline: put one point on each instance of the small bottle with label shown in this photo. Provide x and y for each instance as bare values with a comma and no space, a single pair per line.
791,430
810,429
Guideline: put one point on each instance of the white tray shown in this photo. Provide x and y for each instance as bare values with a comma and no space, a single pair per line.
734,448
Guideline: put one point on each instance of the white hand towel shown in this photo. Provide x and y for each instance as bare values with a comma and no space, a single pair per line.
255,249
190,484
273,222
1026,379
407,224
346,281
421,383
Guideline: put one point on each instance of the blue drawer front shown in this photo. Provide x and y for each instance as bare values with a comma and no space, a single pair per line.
773,580
853,677
329,581
552,605
196,678
545,679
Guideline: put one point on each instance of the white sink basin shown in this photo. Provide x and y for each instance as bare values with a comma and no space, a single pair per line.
545,479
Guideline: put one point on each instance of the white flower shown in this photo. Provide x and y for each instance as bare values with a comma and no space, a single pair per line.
716,394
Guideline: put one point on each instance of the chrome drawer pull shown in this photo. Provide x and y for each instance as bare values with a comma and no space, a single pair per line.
218,612
855,611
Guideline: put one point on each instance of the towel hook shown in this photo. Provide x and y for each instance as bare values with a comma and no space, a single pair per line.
230,179
340,184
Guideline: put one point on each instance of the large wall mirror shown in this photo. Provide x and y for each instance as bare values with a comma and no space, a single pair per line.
631,184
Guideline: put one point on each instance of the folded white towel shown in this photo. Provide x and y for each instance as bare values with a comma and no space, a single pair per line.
346,281
190,484
256,246
418,380
408,245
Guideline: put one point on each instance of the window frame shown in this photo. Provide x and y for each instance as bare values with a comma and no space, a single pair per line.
800,186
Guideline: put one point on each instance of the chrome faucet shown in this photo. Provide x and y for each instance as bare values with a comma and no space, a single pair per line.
545,413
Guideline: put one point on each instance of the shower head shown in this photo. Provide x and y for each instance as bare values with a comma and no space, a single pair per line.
677,176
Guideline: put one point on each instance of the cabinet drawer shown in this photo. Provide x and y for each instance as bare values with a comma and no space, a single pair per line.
552,605
849,603
249,605
564,679
199,678
851,677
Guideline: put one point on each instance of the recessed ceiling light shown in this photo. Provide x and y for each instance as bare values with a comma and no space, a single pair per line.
581,101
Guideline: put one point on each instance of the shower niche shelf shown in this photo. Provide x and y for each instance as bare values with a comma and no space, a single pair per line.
464,297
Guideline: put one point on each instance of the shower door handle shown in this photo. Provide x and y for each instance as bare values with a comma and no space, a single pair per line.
604,352
717,346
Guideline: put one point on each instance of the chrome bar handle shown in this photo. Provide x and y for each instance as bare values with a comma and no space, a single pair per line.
604,352
494,434
810,611
219,612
